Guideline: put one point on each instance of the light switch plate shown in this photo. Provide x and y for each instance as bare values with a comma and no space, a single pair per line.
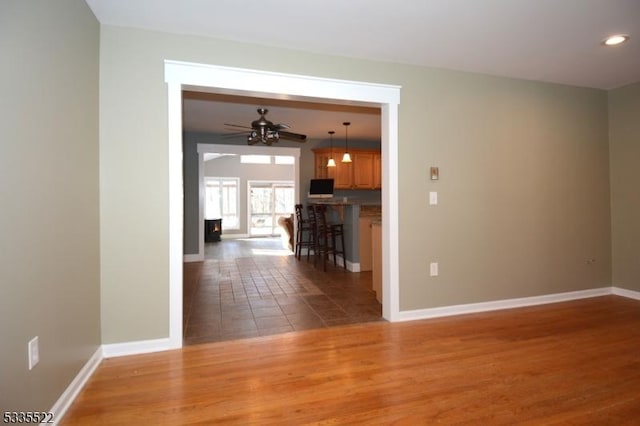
433,198
434,172
433,269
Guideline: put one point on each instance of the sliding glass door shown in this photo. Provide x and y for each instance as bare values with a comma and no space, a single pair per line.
268,201
222,201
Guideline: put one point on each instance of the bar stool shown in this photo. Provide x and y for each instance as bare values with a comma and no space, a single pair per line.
328,234
313,225
303,228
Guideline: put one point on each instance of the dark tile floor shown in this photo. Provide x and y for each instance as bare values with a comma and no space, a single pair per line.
255,288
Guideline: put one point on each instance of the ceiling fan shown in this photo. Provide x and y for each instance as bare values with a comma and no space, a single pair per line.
264,131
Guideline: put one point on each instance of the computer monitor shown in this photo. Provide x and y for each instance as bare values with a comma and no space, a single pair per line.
321,188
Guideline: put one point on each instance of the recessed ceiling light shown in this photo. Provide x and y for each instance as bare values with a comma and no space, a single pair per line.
615,39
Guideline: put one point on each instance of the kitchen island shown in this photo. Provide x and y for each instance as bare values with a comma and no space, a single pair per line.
349,213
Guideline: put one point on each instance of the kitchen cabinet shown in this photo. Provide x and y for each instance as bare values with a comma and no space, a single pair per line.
376,258
363,170
364,237
341,173
362,173
377,170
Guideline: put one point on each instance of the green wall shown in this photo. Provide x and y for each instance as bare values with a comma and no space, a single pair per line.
524,188
624,136
525,206
49,267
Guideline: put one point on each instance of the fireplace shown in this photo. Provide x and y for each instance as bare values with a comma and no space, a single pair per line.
212,230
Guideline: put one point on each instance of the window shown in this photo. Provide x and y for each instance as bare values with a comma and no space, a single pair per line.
284,159
255,159
222,201
267,202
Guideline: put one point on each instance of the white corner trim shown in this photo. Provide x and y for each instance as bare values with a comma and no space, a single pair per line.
63,403
193,257
501,304
631,294
135,348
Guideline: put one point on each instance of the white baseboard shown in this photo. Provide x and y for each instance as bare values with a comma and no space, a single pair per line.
501,304
351,266
234,236
138,347
631,294
193,258
146,346
63,403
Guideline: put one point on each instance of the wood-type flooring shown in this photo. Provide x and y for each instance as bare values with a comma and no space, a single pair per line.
572,363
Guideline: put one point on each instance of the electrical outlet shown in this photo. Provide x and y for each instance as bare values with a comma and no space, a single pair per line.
34,354
433,269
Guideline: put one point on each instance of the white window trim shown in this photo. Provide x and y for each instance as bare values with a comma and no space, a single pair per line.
269,182
237,182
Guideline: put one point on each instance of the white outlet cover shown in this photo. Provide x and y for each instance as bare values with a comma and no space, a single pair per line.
34,353
433,269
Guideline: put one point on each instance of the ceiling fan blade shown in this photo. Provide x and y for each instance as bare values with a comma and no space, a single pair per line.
237,125
293,136
281,126
233,135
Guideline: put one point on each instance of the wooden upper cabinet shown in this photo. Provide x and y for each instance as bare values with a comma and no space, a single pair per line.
360,174
377,170
321,169
363,171
342,172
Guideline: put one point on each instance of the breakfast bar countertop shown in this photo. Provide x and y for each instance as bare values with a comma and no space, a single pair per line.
343,202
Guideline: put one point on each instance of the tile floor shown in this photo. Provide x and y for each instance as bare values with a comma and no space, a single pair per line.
267,291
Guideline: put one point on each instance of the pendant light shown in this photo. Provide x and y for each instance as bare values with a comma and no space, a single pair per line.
346,158
331,162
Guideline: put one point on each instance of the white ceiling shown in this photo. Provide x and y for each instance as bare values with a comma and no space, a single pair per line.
547,40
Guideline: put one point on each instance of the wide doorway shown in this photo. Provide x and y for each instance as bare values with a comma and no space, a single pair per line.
181,75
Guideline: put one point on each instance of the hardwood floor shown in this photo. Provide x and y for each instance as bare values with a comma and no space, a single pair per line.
568,363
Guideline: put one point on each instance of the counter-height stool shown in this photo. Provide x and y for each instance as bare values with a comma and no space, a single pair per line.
305,233
328,234
313,224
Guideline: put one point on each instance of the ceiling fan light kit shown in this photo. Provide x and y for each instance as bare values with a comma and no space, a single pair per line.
331,162
346,158
265,132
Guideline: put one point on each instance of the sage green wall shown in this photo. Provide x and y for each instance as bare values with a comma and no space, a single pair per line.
624,140
49,267
524,189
